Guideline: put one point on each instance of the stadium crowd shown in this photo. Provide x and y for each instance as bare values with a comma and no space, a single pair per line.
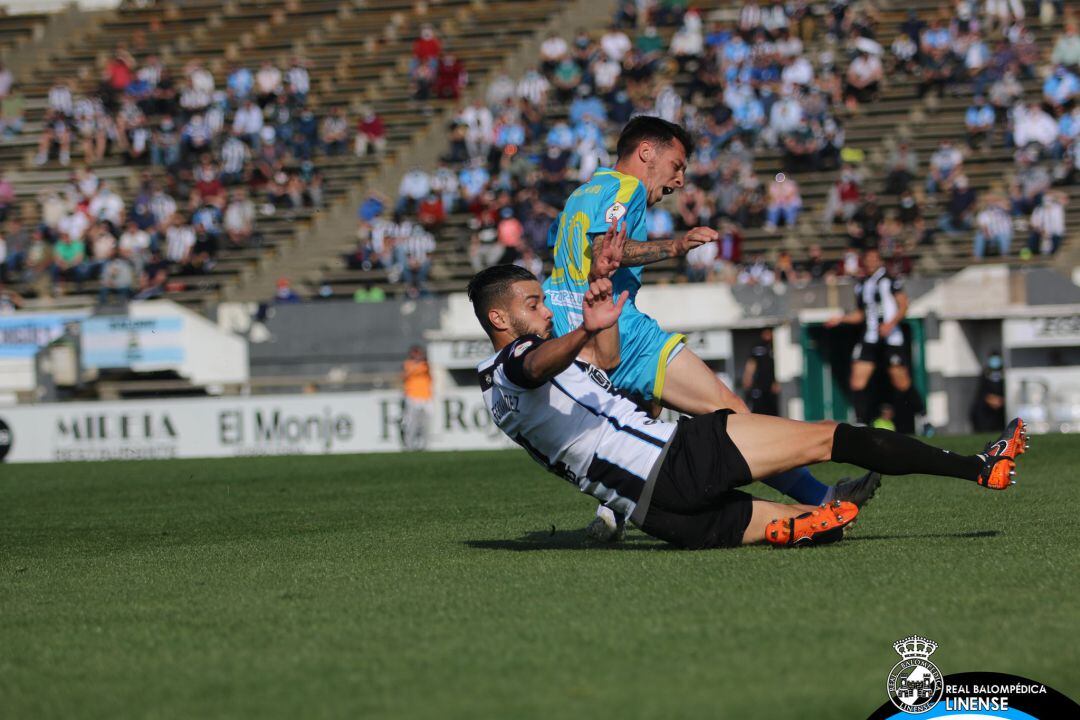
775,77
758,82
218,158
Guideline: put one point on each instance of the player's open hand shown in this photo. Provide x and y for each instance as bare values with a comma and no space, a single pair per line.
607,251
694,237
597,310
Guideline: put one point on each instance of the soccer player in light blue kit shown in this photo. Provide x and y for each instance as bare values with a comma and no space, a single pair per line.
601,228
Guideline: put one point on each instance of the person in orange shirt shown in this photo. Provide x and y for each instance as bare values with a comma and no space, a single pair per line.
416,379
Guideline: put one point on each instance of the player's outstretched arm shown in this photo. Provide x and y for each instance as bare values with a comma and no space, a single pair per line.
852,318
651,251
599,314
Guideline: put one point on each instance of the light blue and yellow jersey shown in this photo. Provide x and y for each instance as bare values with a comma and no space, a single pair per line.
609,197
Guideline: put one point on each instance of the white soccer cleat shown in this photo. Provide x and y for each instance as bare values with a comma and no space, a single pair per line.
605,527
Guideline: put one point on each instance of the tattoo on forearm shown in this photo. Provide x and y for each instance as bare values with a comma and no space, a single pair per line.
643,253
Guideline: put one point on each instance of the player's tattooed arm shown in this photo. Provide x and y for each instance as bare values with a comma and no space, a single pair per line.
646,253
651,251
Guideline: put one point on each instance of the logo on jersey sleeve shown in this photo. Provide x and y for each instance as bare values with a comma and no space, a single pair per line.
520,349
615,212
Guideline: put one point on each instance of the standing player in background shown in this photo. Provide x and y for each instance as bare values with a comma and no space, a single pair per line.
416,380
761,390
600,232
882,305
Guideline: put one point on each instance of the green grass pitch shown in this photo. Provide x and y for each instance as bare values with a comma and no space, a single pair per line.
459,585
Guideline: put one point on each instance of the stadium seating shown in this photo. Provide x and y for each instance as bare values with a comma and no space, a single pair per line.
898,115
358,55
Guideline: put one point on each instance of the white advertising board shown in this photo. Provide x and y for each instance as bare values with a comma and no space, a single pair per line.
228,427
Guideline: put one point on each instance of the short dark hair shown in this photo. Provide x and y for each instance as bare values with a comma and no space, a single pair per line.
490,285
653,129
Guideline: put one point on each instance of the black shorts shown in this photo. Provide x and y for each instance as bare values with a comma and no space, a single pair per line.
694,502
881,353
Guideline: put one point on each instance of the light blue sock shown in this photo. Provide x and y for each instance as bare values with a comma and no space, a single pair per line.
800,486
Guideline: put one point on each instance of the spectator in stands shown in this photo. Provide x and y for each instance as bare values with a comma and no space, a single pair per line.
69,260
993,227
1060,88
960,208
688,43
758,272
802,148
945,165
863,79
284,294
566,77
12,113
553,51
239,219
55,130
844,197
979,122
784,201
615,44
414,187
815,268
179,240
1048,224
134,245
334,132
1067,48
1032,181
431,214
154,277
904,55
298,81
268,84
450,78
426,49
117,278
165,145
903,166
370,133
239,84
412,255
935,71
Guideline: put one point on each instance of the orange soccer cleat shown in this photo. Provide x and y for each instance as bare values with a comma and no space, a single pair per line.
998,473
1013,442
827,524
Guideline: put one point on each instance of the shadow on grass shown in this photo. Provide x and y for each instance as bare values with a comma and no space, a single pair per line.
969,535
569,540
577,540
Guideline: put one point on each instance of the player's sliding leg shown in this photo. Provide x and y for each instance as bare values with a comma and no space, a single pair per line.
691,387
771,445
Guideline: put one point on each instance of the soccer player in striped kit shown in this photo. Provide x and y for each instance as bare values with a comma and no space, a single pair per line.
655,366
676,481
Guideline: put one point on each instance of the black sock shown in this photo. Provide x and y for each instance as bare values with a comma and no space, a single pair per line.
891,453
912,400
860,401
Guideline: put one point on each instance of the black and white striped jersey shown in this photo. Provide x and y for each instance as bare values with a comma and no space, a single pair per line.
576,425
876,297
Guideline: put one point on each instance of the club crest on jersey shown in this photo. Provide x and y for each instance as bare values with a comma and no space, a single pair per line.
522,348
615,212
